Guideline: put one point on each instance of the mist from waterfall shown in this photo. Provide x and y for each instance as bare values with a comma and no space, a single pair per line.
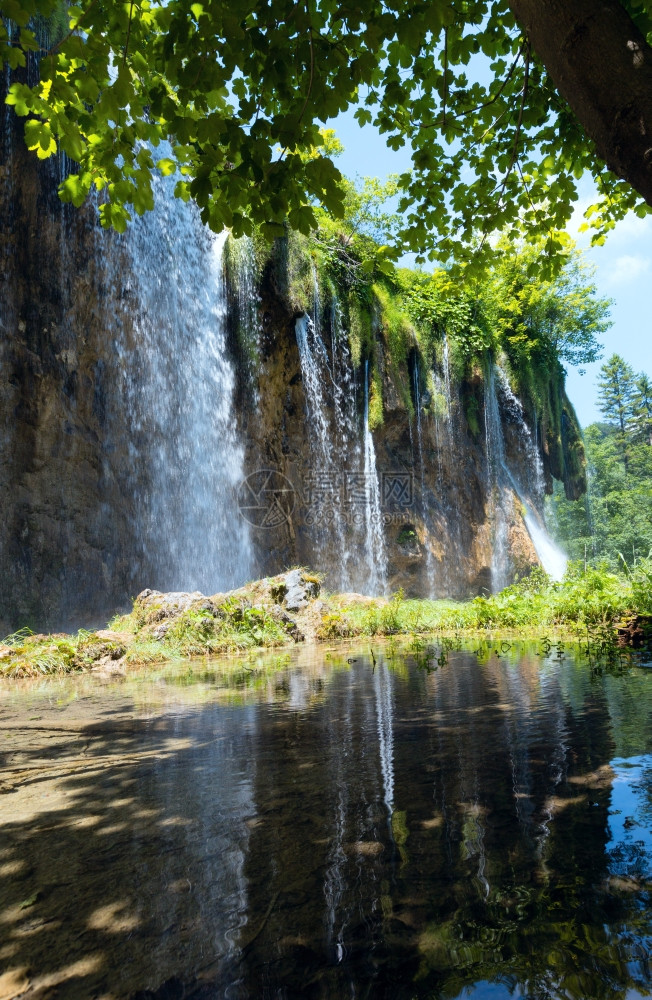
178,385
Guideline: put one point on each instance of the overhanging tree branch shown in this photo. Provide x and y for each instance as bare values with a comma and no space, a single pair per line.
602,66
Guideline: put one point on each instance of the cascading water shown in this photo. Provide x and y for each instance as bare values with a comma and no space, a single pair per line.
496,490
376,553
178,389
314,361
243,279
503,481
513,410
330,395
552,558
325,488
447,380
430,563
346,438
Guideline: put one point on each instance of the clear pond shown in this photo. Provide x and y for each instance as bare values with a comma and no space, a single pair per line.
329,830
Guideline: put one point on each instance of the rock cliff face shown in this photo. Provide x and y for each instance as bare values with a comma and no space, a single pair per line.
67,495
440,533
79,479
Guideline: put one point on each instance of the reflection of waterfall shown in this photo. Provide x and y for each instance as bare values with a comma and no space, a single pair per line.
383,685
178,388
501,483
558,758
375,539
336,877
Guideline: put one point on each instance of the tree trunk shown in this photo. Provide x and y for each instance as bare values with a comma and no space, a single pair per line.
602,66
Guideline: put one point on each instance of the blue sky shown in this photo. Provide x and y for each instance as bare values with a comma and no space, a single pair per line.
623,264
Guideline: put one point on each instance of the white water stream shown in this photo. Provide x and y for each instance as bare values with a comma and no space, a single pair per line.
375,551
502,483
178,385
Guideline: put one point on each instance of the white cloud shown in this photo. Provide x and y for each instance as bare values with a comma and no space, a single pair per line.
625,269
630,229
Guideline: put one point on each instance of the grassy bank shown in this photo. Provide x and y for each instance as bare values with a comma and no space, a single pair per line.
268,613
586,598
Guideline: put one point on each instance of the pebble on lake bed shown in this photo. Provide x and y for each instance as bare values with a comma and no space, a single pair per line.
368,848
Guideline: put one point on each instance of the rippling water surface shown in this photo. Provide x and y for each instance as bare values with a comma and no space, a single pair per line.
329,830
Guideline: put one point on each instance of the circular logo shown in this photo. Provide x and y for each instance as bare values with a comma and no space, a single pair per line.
266,498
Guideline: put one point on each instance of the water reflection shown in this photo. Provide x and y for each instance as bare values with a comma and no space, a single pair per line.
373,830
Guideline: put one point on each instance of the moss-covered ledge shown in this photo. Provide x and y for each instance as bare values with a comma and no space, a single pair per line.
604,609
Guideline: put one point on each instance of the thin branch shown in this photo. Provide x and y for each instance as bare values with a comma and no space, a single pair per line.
485,104
312,77
199,71
131,14
517,134
527,190
493,124
443,114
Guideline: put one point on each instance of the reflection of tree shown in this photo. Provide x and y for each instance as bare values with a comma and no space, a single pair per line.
245,850
555,929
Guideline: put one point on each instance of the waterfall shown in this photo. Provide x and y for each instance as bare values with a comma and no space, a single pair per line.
447,381
243,282
430,564
552,558
502,481
376,553
334,488
314,365
346,441
496,490
513,409
177,388
328,450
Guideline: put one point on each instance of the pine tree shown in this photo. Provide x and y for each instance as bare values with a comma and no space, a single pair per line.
617,384
642,409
